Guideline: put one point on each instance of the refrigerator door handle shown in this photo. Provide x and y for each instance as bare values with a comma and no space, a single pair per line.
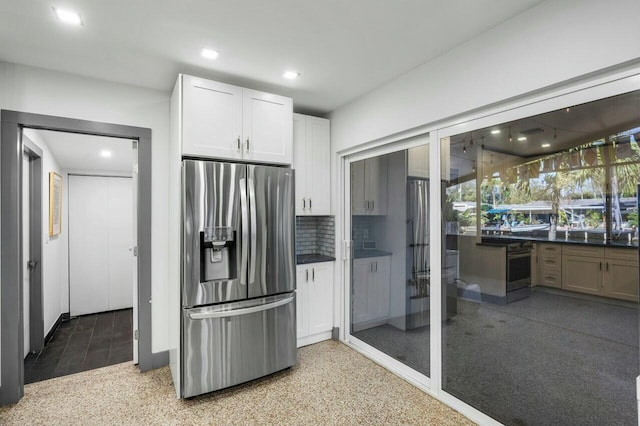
241,311
245,230
254,232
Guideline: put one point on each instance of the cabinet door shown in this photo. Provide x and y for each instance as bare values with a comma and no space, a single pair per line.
358,201
302,298
267,127
300,162
621,279
418,161
319,154
211,118
582,274
379,288
321,298
376,185
359,291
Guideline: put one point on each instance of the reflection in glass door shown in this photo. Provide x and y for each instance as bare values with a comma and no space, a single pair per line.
390,271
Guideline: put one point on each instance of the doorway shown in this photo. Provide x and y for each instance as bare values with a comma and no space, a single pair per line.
11,219
88,260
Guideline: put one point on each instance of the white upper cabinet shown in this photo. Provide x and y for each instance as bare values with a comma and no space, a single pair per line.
311,152
369,186
267,127
300,162
211,118
418,160
228,122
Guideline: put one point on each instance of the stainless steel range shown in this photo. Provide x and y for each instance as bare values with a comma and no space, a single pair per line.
518,265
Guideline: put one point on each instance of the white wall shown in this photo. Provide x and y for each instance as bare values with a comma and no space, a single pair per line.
41,91
54,258
553,42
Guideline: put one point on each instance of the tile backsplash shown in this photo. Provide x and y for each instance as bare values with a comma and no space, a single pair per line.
366,228
315,235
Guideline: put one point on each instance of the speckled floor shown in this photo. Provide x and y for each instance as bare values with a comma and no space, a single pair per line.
331,384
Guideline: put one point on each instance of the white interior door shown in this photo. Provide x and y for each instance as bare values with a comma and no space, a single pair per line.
134,244
119,201
100,230
25,253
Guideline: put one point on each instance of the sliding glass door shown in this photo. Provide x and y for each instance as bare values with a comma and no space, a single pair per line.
541,214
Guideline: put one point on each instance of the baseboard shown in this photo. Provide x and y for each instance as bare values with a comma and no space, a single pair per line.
63,317
314,338
159,359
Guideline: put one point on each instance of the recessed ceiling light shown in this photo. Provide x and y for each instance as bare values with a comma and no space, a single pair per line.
105,153
495,132
546,145
68,17
210,54
522,138
291,75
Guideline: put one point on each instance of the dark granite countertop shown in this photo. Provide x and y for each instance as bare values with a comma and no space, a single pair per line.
303,259
592,243
362,254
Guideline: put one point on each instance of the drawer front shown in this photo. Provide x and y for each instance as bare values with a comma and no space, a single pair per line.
550,279
550,262
570,250
550,249
630,255
223,348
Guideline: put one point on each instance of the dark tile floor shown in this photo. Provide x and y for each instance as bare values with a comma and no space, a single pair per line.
83,343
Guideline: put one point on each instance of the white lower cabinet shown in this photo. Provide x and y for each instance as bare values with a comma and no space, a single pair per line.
371,292
314,312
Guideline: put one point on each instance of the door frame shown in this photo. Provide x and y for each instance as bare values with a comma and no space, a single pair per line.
11,274
36,308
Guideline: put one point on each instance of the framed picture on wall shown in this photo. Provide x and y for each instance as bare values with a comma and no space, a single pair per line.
55,204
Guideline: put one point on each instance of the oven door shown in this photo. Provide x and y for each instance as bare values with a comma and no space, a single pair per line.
518,270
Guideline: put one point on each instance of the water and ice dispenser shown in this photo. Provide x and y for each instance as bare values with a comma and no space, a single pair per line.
218,254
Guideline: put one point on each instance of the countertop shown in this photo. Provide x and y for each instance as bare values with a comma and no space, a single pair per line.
303,259
592,243
363,254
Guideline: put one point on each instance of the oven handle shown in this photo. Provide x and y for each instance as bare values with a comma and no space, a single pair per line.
518,255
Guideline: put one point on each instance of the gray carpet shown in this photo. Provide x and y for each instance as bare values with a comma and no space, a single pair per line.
545,360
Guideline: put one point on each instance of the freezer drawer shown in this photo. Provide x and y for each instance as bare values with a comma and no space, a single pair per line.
228,344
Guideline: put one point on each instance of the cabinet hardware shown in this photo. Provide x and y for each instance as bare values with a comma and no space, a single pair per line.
309,202
247,144
371,267
304,203
238,143
601,266
366,205
376,266
307,271
607,267
373,204
313,274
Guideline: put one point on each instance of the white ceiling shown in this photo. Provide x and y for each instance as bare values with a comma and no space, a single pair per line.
342,48
81,153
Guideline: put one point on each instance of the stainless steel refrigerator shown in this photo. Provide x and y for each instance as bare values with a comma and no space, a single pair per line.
418,267
238,274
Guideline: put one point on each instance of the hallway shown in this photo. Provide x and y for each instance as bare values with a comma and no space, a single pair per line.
83,343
